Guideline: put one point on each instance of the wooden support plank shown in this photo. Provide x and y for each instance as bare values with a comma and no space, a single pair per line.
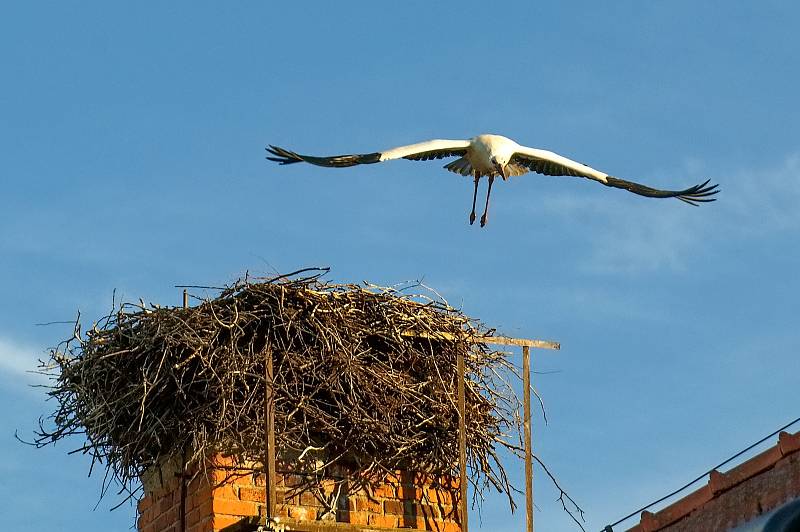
523,342
462,441
526,378
269,458
491,340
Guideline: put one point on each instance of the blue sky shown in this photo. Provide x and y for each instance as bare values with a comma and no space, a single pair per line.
133,160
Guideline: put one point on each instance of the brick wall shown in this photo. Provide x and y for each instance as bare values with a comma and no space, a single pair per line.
226,498
748,490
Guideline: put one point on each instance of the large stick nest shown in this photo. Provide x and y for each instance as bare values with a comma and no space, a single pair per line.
364,381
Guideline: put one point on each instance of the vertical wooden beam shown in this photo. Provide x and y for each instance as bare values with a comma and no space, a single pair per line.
526,378
269,456
182,511
462,440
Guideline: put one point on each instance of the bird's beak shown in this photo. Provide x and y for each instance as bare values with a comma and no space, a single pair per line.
502,171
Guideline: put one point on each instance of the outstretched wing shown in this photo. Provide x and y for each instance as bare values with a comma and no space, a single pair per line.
549,163
423,151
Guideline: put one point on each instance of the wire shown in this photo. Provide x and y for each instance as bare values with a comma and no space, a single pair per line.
610,528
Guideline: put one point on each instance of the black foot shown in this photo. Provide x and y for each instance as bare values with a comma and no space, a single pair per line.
483,220
471,218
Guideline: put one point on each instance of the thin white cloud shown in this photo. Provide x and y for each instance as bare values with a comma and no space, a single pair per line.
19,362
649,235
767,198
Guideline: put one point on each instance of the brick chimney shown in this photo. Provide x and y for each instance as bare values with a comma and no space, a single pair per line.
232,500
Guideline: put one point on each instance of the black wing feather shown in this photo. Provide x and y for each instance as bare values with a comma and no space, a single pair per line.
283,156
692,195
436,154
544,167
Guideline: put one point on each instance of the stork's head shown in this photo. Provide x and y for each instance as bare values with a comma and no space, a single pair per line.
500,166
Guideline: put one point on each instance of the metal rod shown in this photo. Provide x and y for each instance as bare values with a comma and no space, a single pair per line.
526,377
462,441
269,458
185,299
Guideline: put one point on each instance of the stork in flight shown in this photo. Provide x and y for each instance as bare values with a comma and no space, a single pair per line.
492,156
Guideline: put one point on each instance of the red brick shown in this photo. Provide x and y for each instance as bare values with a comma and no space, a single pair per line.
206,507
200,527
192,517
252,494
233,507
419,522
789,443
162,522
681,507
718,482
387,491
226,491
309,499
393,507
439,496
211,507
244,480
426,510
358,518
406,491
144,503
363,504
449,513
749,489
385,521
292,481
164,504
302,514
447,527
222,461
757,464
221,521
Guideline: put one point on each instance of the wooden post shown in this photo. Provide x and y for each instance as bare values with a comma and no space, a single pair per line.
269,456
462,441
526,377
182,511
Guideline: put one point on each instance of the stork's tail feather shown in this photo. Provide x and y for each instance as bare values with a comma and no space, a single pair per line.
514,169
460,166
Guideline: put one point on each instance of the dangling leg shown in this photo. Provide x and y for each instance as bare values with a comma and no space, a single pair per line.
486,209
474,197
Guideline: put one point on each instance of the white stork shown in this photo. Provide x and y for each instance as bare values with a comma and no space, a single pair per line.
492,156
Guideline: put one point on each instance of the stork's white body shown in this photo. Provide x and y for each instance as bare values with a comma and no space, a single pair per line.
483,148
